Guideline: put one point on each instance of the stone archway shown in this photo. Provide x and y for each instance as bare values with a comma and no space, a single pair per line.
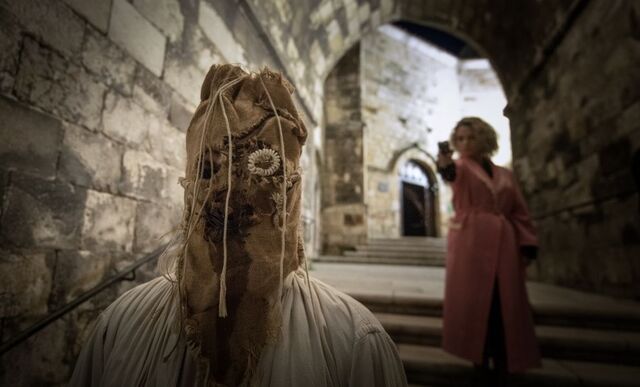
562,122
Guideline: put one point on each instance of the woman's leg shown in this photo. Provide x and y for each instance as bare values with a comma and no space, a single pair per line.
497,339
493,370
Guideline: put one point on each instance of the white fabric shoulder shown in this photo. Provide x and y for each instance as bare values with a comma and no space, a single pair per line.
335,340
134,341
328,339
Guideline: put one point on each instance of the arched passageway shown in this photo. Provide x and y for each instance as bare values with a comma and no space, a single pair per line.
418,190
388,101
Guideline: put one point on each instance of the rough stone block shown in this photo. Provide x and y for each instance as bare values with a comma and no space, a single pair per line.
322,14
277,36
41,360
89,159
9,43
16,270
318,58
7,82
164,14
4,184
334,35
183,76
108,222
180,113
96,11
628,121
615,157
386,7
609,268
137,35
200,49
77,271
46,80
51,21
154,222
216,30
151,93
29,140
292,50
40,213
173,191
143,177
167,144
125,121
109,62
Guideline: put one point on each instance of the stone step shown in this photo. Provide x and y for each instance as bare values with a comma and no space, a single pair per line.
602,346
428,365
408,238
578,316
408,241
402,248
396,254
419,261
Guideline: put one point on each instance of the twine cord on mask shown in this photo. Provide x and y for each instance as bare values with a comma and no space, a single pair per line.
220,90
190,223
222,302
284,188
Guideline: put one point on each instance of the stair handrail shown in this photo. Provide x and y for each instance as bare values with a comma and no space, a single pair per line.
43,323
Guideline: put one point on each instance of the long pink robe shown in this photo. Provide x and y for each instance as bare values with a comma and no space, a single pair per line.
491,222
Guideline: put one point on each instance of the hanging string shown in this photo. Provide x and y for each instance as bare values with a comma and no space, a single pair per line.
190,222
222,301
284,188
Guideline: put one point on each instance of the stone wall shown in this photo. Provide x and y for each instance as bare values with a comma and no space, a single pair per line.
95,98
576,127
410,99
343,210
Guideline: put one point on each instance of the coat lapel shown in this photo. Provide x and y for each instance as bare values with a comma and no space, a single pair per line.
477,170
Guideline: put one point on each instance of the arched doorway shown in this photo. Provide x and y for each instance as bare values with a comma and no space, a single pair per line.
417,198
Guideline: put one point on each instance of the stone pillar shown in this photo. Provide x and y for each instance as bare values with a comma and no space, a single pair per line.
343,209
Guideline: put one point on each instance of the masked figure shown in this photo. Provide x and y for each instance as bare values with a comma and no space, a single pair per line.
235,307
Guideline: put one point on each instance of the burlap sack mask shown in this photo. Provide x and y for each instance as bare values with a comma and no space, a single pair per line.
235,251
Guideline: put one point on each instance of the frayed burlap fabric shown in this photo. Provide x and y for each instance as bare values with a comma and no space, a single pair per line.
244,197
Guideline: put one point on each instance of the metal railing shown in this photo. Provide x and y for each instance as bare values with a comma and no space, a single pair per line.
128,274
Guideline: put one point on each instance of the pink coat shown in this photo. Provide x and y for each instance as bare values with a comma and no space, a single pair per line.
491,221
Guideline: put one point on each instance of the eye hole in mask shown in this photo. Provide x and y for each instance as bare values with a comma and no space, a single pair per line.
211,164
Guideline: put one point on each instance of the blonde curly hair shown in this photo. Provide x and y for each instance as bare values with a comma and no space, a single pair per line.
486,136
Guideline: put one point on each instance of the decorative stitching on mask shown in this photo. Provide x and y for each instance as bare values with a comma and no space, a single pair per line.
263,162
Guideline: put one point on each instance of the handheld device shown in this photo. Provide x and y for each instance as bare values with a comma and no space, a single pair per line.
444,148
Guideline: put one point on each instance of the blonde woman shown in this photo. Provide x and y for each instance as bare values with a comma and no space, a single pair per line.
491,241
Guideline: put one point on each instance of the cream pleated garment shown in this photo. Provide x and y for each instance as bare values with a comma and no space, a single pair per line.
327,339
